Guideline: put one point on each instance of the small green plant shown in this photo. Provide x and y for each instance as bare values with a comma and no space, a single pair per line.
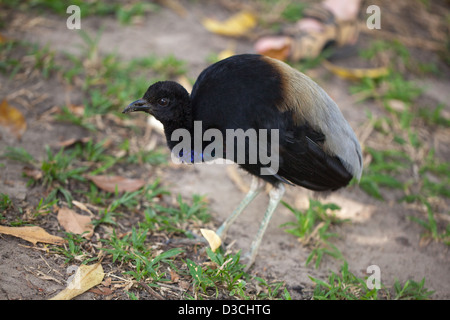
44,60
18,154
272,290
434,116
9,65
44,207
431,225
74,250
293,11
68,117
412,290
5,202
170,219
58,168
379,172
312,227
153,157
133,250
343,286
225,272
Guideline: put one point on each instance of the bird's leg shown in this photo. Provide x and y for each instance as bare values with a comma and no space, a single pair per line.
255,188
275,196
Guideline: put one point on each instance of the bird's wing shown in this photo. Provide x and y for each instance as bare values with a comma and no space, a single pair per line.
304,162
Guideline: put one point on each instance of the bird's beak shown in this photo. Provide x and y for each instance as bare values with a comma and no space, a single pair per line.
138,105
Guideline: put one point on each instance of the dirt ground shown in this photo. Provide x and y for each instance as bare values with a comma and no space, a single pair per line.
380,232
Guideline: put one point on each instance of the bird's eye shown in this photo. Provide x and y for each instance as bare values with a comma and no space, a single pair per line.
163,102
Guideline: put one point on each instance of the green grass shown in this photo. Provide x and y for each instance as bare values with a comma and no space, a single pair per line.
5,202
312,226
434,116
170,219
44,207
419,180
124,12
293,11
379,173
430,225
133,250
75,250
411,290
226,271
343,286
346,286
18,154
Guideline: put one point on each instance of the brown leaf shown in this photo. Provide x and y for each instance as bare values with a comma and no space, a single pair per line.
82,206
12,119
77,110
279,53
75,223
33,173
32,234
71,142
174,277
102,291
110,183
3,39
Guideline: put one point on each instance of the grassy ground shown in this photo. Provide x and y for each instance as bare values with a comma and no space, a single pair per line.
147,239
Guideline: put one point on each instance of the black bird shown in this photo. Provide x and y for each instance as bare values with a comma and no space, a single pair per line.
271,112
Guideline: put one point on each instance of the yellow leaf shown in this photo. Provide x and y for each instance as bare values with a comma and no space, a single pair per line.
212,238
75,223
355,73
84,278
237,25
12,119
32,234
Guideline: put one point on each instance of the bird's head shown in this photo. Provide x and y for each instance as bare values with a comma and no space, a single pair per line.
167,101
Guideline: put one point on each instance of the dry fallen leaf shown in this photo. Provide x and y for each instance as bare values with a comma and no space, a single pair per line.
75,223
102,291
174,277
110,183
355,73
32,234
82,206
3,39
12,119
212,238
71,142
77,110
33,173
237,25
397,105
281,53
84,278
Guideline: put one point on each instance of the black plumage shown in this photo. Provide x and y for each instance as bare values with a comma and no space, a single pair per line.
317,148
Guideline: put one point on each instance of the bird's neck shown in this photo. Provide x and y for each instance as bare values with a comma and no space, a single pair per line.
183,120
